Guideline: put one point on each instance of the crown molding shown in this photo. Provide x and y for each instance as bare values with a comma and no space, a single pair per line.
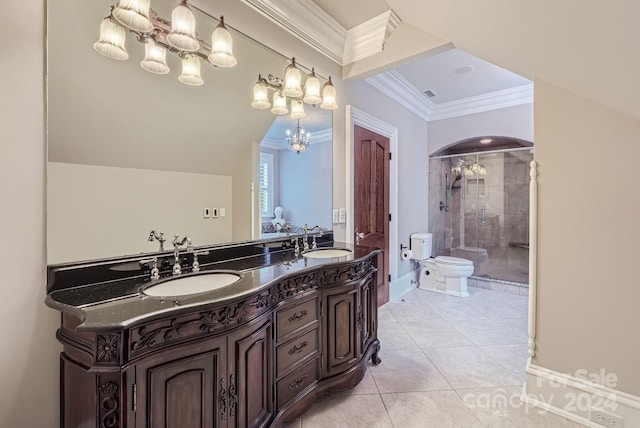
307,21
399,89
492,101
369,37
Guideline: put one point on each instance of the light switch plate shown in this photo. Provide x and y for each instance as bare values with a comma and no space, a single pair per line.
206,212
214,213
335,217
222,212
342,216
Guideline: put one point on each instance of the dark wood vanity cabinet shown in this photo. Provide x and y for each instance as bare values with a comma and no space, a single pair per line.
259,361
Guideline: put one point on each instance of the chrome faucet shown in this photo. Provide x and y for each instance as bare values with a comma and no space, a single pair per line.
196,264
157,236
153,262
177,270
305,241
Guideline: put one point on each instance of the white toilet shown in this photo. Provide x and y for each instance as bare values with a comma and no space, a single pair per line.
443,274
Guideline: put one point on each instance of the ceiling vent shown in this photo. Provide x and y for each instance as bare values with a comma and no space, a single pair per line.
429,93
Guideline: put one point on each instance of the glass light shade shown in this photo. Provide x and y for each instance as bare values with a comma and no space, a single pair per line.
260,96
155,58
222,47
133,14
329,96
183,29
297,110
191,71
312,89
292,81
111,41
279,104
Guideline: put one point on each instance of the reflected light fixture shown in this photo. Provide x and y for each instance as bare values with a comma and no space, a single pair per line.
161,36
299,140
290,88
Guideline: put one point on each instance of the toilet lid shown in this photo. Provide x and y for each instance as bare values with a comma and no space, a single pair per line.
453,261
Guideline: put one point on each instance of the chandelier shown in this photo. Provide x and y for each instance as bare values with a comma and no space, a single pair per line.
291,87
160,35
299,140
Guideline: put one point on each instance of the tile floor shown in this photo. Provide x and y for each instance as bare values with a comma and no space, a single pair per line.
446,362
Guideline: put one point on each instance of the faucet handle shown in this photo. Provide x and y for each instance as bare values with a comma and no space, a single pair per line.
196,264
155,272
189,245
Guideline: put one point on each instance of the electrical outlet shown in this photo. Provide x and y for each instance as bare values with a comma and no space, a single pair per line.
335,217
342,214
206,212
222,212
605,419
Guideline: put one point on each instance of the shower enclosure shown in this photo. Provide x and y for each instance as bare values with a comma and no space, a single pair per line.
479,210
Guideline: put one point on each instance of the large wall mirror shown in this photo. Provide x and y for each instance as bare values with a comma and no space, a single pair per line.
130,151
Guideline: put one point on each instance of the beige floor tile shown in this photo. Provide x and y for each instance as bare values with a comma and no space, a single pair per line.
385,315
502,408
435,334
512,357
406,371
347,411
442,409
487,332
410,312
393,336
470,367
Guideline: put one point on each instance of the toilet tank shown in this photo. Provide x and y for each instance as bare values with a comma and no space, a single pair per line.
421,245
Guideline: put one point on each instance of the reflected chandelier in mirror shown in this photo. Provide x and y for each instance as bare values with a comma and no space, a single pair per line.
160,35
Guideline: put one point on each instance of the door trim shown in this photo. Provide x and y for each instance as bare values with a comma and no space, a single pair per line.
355,116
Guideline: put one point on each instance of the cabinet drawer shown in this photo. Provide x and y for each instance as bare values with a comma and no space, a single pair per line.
294,351
297,381
296,317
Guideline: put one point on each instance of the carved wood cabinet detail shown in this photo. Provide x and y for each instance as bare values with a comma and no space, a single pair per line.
257,361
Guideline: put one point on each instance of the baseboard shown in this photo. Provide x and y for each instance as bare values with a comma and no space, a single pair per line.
572,397
401,286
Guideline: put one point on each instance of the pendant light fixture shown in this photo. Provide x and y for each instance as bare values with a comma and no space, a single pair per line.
290,87
191,71
222,47
133,14
155,58
160,35
183,29
111,40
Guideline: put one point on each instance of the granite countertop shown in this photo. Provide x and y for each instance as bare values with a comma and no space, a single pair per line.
120,303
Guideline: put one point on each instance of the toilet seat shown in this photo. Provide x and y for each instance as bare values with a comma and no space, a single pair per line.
453,261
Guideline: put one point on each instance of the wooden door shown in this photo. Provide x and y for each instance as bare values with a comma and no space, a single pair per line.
251,375
371,197
179,389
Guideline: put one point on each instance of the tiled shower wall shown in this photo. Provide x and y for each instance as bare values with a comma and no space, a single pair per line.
497,247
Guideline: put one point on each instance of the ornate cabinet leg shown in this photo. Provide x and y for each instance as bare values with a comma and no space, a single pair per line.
375,359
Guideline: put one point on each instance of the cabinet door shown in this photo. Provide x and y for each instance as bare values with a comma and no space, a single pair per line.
251,375
340,332
184,388
368,314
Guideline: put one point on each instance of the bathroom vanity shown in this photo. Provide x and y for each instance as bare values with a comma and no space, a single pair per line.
255,353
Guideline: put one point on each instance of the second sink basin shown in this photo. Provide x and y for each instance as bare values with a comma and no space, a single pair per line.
182,286
326,253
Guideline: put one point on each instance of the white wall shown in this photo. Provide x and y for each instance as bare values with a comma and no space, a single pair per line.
413,177
589,206
98,211
29,358
508,122
306,190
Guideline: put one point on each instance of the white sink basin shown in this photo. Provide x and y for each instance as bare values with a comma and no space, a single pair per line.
326,253
195,284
